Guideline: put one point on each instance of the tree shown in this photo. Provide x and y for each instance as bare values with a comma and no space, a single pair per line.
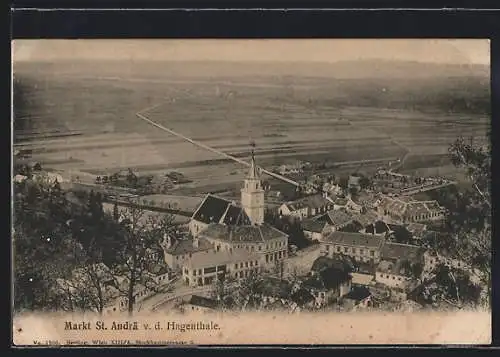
402,235
470,221
364,182
140,236
343,183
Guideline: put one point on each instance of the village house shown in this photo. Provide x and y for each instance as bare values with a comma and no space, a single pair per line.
365,220
201,304
417,230
361,247
353,207
394,251
339,202
336,219
315,229
305,207
362,279
353,182
379,228
177,251
206,268
393,274
402,209
328,285
358,298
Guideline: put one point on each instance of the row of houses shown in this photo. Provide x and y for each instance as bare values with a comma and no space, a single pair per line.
398,209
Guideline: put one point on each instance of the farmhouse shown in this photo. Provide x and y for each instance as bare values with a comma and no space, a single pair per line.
336,219
395,251
177,251
359,297
361,247
315,229
328,285
393,274
306,207
405,210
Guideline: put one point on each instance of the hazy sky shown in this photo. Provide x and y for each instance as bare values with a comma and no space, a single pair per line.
475,51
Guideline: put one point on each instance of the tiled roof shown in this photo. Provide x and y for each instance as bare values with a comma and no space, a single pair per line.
366,218
212,209
244,234
401,251
314,201
184,246
408,207
338,218
355,239
312,225
397,268
202,301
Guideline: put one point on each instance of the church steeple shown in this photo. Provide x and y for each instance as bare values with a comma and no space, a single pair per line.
253,174
252,194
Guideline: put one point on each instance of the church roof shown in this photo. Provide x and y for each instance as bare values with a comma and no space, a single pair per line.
243,233
214,209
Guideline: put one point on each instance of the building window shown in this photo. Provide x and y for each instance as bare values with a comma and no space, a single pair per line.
372,253
354,250
338,249
346,249
251,264
246,264
260,247
194,272
361,251
235,266
327,247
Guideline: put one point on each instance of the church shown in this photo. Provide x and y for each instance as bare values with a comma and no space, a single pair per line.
233,228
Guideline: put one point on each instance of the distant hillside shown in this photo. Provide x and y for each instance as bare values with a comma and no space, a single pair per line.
207,69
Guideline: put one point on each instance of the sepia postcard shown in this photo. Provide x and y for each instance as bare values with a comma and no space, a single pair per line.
256,192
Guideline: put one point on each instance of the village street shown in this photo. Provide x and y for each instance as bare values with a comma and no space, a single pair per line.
302,262
169,295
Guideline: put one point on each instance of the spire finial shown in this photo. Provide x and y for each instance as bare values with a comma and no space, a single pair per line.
253,168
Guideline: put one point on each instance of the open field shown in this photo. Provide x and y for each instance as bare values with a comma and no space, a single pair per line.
317,120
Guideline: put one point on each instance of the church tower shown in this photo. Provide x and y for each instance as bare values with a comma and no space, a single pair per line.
252,195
